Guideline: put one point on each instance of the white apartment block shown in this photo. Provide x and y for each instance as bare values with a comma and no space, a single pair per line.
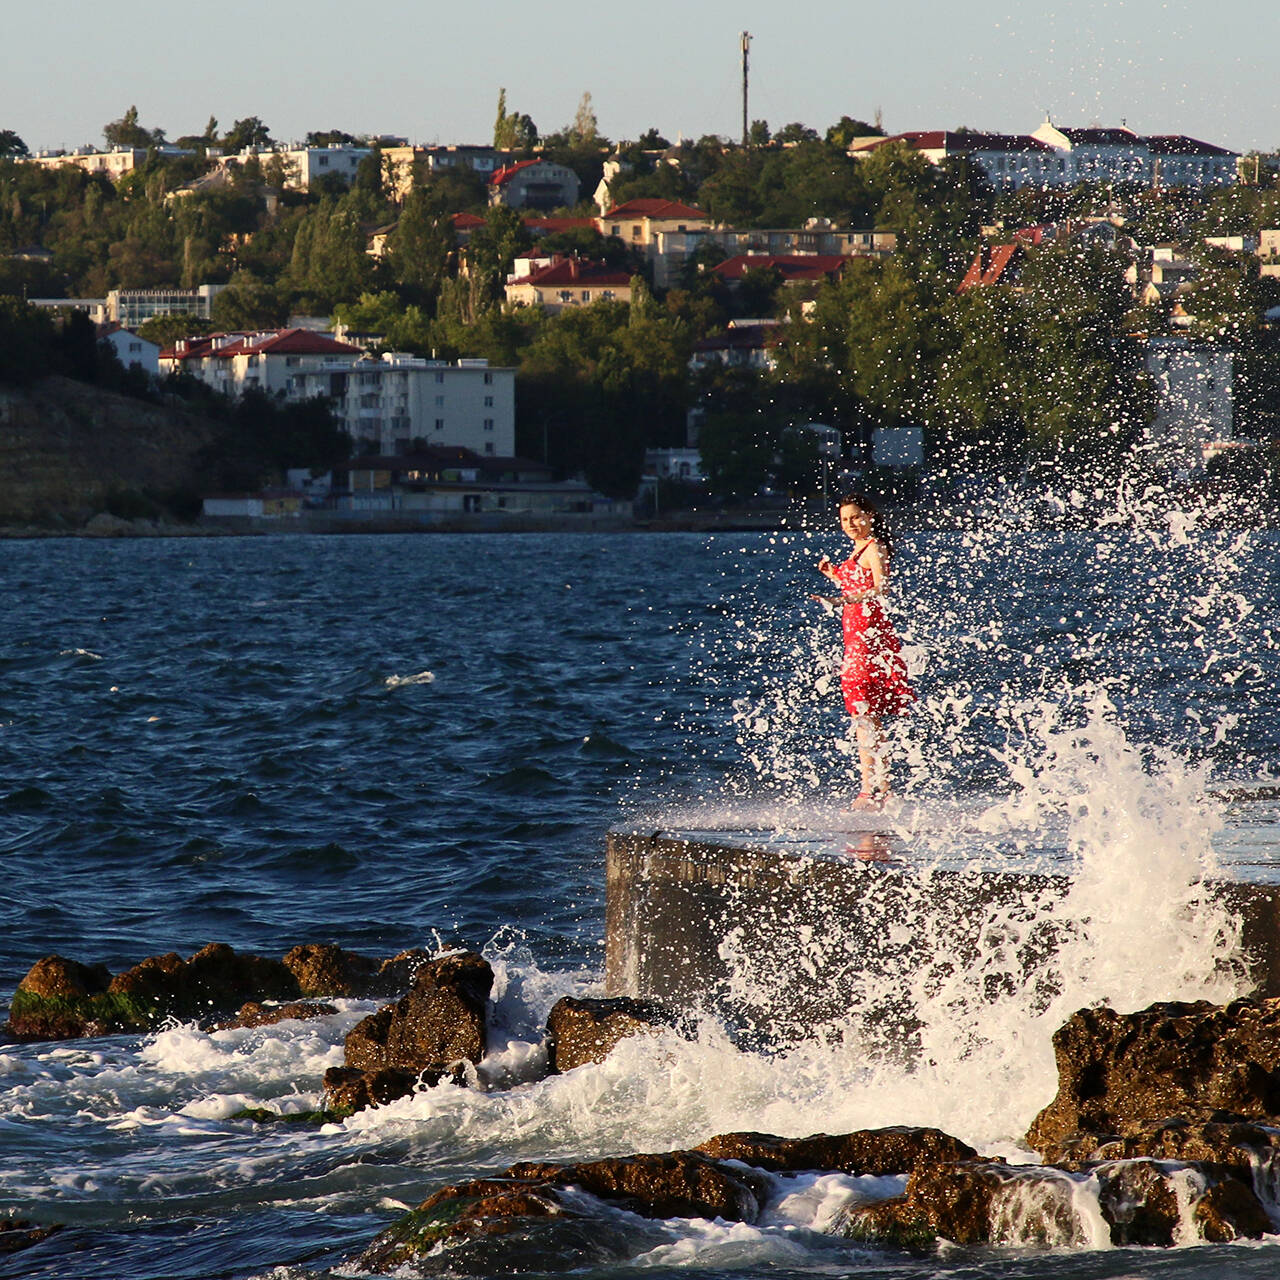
307,165
1053,156
385,405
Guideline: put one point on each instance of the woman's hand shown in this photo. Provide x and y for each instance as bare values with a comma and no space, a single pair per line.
827,569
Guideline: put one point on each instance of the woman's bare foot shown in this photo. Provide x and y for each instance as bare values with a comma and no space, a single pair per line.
865,802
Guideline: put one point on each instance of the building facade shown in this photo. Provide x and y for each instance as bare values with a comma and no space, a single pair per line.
384,405
1054,156
565,283
534,184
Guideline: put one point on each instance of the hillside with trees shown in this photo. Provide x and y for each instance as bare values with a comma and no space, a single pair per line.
997,377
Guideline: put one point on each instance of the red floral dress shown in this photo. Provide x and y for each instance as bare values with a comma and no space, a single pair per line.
873,678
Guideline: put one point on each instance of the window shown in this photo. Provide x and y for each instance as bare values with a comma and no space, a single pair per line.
439,424
488,378
292,362
565,295
439,402
440,377
635,231
586,295
322,161
488,402
607,294
488,424
488,446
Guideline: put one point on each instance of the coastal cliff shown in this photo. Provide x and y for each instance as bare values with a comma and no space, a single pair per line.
68,450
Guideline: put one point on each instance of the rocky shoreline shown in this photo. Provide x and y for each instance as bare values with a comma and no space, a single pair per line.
1165,1129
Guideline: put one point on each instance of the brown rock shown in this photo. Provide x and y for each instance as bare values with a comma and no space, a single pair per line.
215,978
253,1014
56,977
481,1208
321,969
955,1198
968,1203
347,1090
1141,1202
398,973
676,1184
1117,1074
587,1030
17,1234
1231,1210
439,1022
898,1149
1234,1144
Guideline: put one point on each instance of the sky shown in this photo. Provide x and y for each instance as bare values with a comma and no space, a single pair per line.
431,71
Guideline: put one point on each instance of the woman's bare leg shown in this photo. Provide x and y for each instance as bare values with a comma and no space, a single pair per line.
871,763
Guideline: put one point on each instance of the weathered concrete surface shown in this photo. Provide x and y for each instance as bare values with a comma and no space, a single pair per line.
781,942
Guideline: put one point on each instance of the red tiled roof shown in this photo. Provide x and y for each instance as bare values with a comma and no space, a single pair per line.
548,226
654,207
509,171
791,266
466,221
575,271
990,265
278,342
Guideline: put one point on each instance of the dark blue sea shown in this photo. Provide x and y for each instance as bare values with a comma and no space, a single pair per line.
389,742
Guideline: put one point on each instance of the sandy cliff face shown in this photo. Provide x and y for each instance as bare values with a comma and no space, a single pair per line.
65,445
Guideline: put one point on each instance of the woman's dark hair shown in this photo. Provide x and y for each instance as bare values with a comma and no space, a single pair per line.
879,527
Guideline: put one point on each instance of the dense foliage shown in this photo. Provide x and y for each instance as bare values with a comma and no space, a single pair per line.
1044,367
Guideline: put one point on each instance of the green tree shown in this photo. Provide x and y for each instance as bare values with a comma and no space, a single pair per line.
248,302
420,249
127,132
492,250
12,145
402,328
843,132
166,330
249,132
585,130
512,131
796,132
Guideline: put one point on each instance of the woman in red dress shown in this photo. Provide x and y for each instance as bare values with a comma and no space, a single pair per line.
873,677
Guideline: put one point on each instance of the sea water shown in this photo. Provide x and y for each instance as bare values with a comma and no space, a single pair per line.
388,742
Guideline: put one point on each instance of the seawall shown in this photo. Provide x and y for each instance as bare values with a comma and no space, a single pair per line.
781,940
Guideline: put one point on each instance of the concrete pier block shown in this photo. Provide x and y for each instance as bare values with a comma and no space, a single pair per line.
782,941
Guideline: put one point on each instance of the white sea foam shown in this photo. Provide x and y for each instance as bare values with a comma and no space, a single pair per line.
400,682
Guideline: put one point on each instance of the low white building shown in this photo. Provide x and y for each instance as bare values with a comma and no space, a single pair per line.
130,307
305,166
133,351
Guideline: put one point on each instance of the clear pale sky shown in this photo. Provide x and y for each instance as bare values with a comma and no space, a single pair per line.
431,71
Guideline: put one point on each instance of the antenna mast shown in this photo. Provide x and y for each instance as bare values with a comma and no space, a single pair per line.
746,45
